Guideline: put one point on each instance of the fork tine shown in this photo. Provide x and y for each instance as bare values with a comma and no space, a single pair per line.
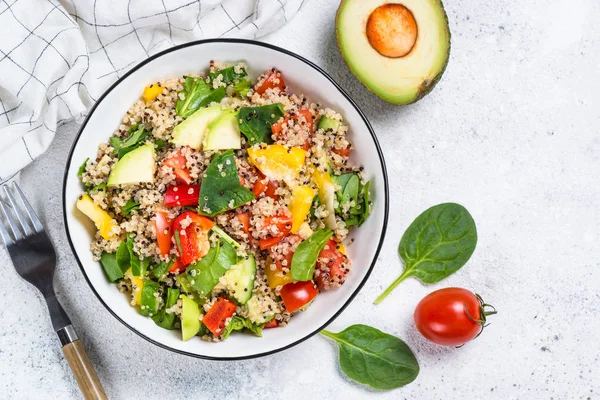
35,221
16,211
3,233
11,225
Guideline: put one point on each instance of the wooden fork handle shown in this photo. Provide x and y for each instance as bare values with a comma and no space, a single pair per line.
84,372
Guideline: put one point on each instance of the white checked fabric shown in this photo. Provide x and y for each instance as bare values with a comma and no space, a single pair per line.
57,57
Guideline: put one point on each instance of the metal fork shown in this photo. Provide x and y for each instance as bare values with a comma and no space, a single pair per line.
35,260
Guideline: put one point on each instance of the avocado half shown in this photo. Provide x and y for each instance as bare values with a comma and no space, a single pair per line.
398,50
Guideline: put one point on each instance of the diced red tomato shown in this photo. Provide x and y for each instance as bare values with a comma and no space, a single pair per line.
182,195
244,219
273,80
345,152
298,294
215,318
277,255
193,238
284,225
277,127
272,324
269,188
332,266
178,162
177,267
163,231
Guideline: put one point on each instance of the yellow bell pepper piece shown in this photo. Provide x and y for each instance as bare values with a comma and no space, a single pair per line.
302,197
341,248
326,189
137,284
104,222
277,162
151,92
277,278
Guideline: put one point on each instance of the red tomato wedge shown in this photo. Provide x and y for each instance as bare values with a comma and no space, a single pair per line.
298,294
182,195
274,79
215,318
178,162
193,238
345,152
163,231
269,188
332,266
272,324
277,127
244,219
284,225
177,267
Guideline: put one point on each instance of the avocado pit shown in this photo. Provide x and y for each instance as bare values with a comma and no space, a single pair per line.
392,30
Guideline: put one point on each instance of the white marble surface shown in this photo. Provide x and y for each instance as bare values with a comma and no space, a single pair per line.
511,132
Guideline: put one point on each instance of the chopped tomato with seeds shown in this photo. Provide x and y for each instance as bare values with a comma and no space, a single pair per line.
266,186
298,294
193,236
345,152
272,324
182,195
163,229
284,226
274,79
216,317
244,219
179,164
332,266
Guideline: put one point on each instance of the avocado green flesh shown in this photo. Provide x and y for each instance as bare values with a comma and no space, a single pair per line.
400,80
192,131
223,133
240,279
190,318
137,166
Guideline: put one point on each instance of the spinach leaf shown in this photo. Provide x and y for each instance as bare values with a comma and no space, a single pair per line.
196,93
374,358
221,189
123,257
163,318
257,121
129,207
305,256
211,267
178,241
101,187
159,144
351,190
437,244
149,302
134,140
238,323
81,169
228,74
160,271
242,87
110,266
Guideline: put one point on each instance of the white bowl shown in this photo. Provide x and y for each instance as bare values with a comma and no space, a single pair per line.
302,76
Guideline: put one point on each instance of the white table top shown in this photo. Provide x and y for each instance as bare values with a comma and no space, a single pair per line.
511,132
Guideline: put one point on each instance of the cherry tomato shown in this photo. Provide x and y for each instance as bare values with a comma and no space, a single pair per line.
193,238
182,195
178,162
163,229
215,318
451,316
274,79
332,266
298,294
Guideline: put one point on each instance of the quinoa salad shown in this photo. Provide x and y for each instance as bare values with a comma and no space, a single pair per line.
222,203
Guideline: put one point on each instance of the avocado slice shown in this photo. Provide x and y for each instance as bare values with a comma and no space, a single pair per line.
137,166
192,131
399,51
190,318
223,133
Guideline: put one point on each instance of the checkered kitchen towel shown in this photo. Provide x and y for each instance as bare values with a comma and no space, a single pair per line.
58,56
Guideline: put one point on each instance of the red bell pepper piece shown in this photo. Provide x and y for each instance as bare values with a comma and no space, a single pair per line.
215,318
178,162
164,231
193,239
182,195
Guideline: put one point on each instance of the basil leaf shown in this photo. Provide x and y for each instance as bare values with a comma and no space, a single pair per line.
227,74
129,207
257,121
305,256
374,358
123,257
81,169
196,93
437,244
163,318
238,323
110,266
211,267
221,189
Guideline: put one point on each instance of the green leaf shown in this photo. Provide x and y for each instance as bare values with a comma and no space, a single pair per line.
221,189
134,140
129,207
149,301
178,241
163,318
238,323
160,271
349,189
81,169
110,266
374,358
228,74
366,209
197,93
211,267
101,187
242,87
257,121
437,244
305,256
159,144
123,257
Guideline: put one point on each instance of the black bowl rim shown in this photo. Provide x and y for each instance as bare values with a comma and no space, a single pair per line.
316,68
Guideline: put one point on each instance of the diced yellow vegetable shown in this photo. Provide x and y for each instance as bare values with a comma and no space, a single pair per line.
302,197
137,284
277,162
341,248
277,278
104,222
326,189
151,92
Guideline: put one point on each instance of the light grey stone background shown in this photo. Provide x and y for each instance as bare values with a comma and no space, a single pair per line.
511,132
